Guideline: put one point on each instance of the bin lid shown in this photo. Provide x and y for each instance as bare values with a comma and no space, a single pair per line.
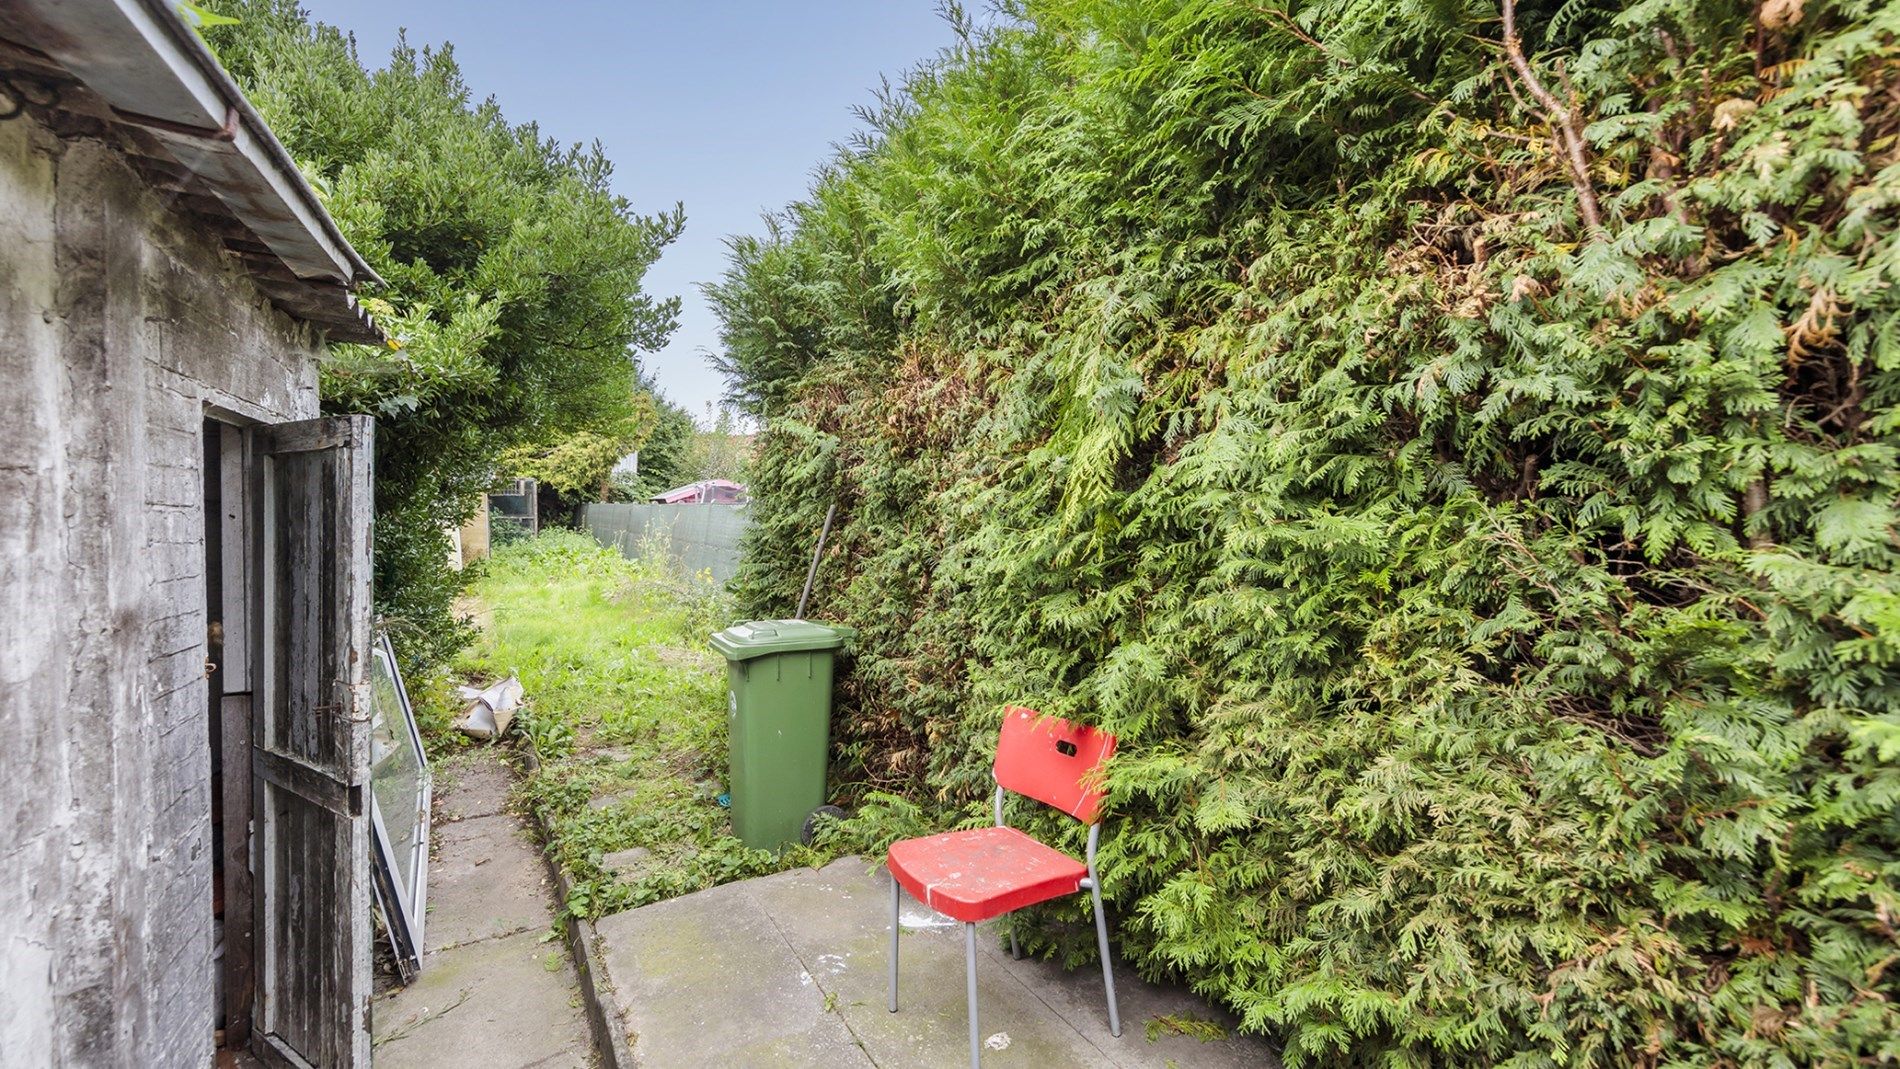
757,638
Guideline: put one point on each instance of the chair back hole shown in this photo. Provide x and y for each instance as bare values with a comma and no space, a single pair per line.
1052,760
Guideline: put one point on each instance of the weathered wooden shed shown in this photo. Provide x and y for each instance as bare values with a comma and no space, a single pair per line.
184,549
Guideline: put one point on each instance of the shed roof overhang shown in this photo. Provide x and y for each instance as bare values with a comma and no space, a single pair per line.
159,84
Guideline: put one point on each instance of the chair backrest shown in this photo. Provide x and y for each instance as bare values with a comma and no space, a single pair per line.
1048,758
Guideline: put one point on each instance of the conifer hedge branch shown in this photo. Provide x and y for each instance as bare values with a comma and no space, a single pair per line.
1495,593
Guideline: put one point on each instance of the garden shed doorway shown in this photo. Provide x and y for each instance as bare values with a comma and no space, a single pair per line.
287,510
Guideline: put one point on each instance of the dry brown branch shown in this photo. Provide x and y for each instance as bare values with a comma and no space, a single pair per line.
1563,121
1817,329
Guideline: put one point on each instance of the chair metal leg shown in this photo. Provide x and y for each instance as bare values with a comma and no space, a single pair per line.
1015,952
897,894
1108,967
969,957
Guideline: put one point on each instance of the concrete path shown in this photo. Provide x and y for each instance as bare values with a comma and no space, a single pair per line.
790,970
495,990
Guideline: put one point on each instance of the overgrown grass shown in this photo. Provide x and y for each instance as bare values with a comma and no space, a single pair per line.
626,708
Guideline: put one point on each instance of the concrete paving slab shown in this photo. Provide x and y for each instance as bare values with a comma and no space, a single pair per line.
791,950
1075,995
630,864
602,803
707,979
838,921
493,991
579,1055
486,880
491,1003
475,784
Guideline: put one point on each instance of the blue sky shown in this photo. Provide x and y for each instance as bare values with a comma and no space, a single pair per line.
726,105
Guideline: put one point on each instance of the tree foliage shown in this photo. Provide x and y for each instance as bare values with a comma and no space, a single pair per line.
1461,467
666,456
721,451
513,270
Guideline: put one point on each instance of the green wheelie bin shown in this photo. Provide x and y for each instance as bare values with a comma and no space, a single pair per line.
779,717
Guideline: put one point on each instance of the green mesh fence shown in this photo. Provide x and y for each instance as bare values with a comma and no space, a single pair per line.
700,536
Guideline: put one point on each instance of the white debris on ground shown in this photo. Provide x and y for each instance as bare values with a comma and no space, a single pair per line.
489,711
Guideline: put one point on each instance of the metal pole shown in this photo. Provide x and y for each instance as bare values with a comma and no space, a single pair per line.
1094,884
1108,966
812,572
969,958
896,893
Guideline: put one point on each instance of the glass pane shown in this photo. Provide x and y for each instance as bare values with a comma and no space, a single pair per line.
398,774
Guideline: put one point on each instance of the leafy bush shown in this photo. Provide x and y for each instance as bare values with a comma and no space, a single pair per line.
513,304
1460,466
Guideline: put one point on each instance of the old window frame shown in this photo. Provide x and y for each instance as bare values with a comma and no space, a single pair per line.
403,903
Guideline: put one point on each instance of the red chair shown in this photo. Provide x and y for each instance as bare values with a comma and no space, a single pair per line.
973,876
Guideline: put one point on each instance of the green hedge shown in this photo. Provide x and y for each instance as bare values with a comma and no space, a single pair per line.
1469,491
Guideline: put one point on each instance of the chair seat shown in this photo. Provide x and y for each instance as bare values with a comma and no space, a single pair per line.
983,873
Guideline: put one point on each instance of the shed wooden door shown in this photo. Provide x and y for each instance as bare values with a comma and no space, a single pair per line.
312,743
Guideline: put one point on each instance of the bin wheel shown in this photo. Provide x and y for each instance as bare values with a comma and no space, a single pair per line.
812,820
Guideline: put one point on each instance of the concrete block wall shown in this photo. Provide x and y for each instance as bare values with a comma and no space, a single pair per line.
121,328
